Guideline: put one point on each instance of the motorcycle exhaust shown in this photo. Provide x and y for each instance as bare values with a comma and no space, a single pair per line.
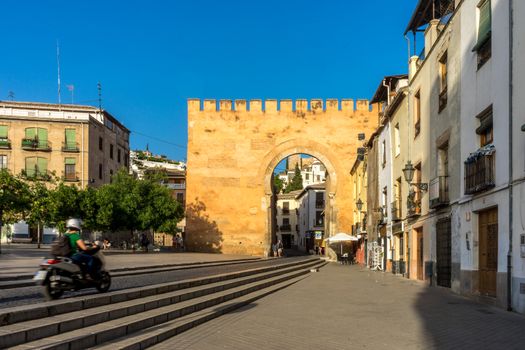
63,279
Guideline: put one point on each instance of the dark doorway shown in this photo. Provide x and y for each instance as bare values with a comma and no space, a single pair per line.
488,251
444,251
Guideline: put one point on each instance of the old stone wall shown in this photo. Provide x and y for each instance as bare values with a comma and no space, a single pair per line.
233,149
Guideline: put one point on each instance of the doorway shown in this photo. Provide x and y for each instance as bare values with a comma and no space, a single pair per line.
419,248
488,251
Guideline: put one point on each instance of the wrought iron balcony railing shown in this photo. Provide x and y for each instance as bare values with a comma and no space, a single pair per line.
285,228
479,171
70,147
438,192
5,143
396,210
36,145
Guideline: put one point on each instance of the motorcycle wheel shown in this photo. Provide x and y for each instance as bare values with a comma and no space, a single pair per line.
105,282
50,292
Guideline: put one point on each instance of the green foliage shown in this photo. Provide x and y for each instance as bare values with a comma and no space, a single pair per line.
297,181
15,197
278,184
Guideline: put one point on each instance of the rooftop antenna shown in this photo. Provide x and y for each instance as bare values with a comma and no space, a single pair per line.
11,95
58,73
99,87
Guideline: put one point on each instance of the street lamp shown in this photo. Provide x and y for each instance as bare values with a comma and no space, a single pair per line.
408,172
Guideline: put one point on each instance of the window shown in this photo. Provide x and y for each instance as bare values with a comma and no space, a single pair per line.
417,113
443,81
319,218
100,171
383,153
69,169
397,140
118,155
71,142
3,132
307,176
36,167
180,198
485,130
100,144
286,221
483,45
126,159
111,151
35,137
3,161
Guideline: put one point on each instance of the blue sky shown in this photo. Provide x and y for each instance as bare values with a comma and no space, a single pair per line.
150,56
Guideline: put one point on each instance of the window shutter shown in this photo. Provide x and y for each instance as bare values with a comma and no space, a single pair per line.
3,131
70,137
30,133
484,25
70,161
42,137
30,165
42,165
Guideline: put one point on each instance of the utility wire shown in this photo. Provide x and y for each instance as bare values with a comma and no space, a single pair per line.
157,139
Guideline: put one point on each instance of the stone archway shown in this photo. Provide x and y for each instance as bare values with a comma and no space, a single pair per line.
232,153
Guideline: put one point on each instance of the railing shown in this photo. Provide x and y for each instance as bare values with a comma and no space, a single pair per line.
5,143
70,177
438,192
319,204
442,99
479,173
175,186
70,147
396,211
413,207
35,174
35,144
285,228
286,211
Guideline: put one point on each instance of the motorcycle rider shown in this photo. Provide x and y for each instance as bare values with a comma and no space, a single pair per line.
80,252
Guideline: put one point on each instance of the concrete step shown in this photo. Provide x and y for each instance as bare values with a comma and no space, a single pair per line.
20,333
51,308
125,326
26,280
157,334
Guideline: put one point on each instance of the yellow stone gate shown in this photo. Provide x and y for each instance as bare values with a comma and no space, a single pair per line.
233,150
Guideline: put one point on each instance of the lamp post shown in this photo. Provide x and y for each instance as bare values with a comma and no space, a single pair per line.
408,172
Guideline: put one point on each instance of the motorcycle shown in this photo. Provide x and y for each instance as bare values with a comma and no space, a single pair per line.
60,274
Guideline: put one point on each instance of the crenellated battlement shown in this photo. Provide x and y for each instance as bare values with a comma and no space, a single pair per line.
286,105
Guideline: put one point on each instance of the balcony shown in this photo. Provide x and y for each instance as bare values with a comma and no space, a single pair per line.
286,211
396,210
70,177
36,145
319,204
70,147
414,205
36,175
479,170
175,186
438,192
5,143
285,228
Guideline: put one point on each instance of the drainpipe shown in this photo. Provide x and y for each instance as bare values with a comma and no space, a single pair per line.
511,213
387,92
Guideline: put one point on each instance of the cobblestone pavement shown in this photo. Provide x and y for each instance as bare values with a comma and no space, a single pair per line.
347,307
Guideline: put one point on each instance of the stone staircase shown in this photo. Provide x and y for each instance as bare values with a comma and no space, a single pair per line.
141,317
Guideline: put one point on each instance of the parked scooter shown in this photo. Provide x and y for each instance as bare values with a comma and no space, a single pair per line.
60,274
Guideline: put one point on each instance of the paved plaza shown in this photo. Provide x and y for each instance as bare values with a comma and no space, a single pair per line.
347,307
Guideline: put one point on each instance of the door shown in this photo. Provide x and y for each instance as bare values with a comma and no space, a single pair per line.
287,241
419,237
488,251
444,249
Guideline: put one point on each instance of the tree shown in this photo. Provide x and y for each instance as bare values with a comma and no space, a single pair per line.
40,207
278,184
14,199
297,181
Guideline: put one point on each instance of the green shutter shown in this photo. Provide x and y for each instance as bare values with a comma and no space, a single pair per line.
30,133
70,161
30,166
3,131
484,25
42,165
42,138
70,137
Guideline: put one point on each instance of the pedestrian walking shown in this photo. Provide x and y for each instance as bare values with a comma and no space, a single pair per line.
274,249
280,248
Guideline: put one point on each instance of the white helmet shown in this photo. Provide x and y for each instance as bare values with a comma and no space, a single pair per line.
74,223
